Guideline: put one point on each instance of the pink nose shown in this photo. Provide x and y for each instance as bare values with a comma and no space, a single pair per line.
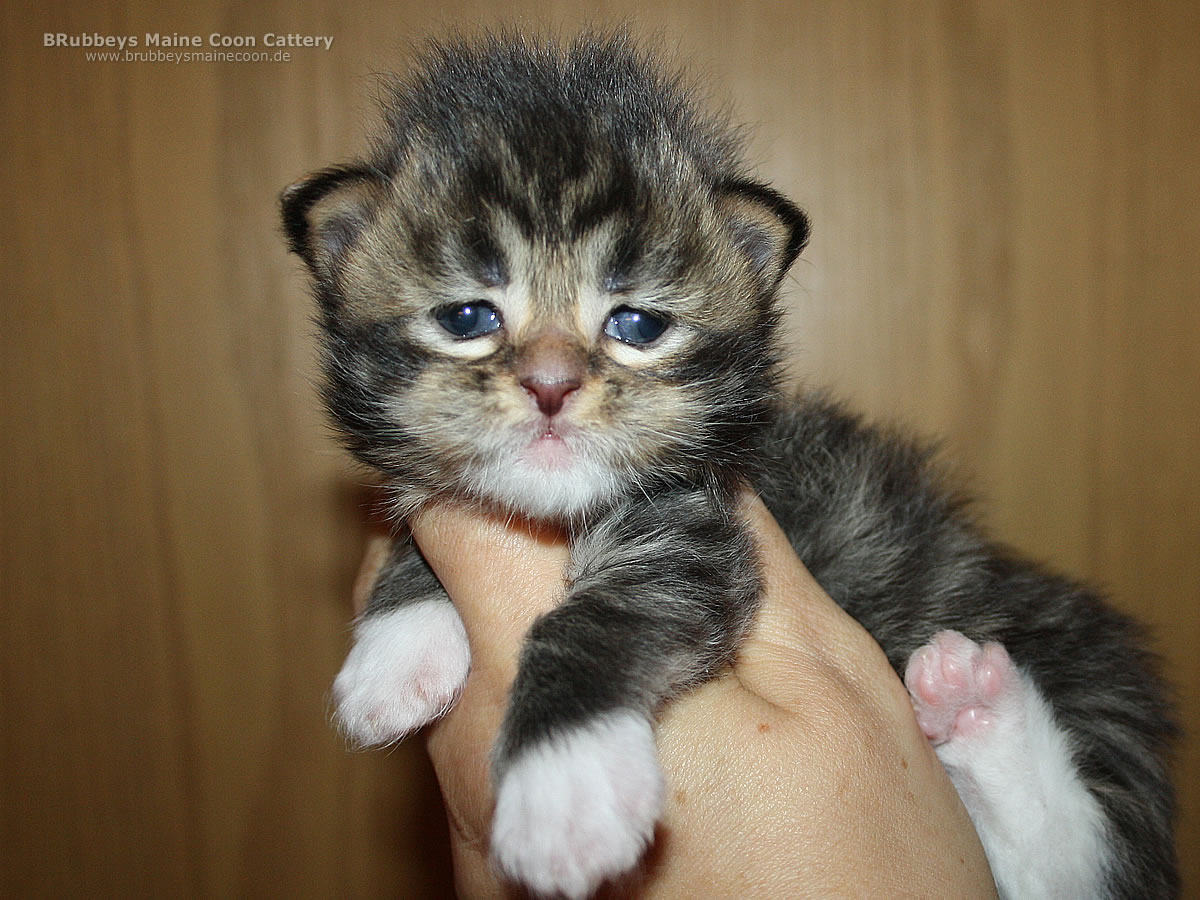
550,395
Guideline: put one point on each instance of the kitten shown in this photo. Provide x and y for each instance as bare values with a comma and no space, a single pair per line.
551,289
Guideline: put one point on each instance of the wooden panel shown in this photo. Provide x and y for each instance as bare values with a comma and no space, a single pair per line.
1007,212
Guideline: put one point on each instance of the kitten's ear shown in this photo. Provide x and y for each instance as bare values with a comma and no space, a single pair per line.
767,227
324,213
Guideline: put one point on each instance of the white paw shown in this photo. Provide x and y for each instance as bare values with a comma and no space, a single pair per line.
959,687
405,669
579,808
1012,764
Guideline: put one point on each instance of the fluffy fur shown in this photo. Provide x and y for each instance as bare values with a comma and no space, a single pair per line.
551,289
407,666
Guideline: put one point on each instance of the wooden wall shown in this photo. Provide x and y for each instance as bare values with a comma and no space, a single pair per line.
1007,209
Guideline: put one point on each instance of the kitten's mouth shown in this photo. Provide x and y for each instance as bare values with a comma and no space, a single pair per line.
548,449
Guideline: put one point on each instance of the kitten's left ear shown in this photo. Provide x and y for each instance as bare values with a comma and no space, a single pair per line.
324,213
767,227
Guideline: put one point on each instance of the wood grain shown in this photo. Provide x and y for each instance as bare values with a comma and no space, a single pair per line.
1007,211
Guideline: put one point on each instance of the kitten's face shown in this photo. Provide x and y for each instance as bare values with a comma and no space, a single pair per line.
554,374
545,326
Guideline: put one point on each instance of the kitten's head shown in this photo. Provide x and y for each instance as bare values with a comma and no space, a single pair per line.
551,283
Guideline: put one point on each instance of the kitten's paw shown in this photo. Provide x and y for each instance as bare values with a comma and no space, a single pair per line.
406,668
1042,829
956,685
579,808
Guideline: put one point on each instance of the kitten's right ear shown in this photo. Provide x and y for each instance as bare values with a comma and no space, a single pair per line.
324,213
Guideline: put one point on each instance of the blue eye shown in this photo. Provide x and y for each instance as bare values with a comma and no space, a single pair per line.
468,320
634,326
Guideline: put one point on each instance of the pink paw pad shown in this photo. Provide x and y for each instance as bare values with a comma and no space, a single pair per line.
956,685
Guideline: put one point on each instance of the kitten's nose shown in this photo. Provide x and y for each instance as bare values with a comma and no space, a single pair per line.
550,394
549,367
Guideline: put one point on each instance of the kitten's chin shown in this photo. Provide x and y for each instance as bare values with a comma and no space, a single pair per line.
546,480
550,453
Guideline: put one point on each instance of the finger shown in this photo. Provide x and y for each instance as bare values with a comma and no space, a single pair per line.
800,634
379,547
502,575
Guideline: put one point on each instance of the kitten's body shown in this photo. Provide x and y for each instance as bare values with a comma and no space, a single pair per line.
552,290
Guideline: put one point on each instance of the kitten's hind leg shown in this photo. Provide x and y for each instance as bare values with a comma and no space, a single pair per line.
410,656
1041,828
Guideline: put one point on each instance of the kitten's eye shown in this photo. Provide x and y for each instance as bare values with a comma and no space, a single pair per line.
469,320
634,326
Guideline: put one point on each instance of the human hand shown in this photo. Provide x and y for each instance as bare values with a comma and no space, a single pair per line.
799,773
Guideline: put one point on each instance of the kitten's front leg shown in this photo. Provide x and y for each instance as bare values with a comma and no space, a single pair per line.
410,656
660,596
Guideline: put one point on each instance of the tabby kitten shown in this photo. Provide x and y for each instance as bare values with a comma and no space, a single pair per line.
551,289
